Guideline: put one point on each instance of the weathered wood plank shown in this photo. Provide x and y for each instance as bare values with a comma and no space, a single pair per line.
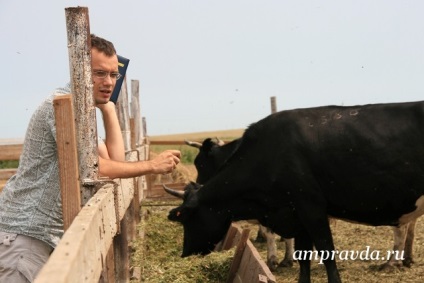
132,133
252,265
10,151
136,112
2,184
68,158
79,49
174,142
124,195
238,255
5,174
157,191
121,252
123,115
81,253
228,242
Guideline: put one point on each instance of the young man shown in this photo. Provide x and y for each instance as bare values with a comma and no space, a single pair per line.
30,205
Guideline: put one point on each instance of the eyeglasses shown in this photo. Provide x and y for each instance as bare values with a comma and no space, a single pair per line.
103,74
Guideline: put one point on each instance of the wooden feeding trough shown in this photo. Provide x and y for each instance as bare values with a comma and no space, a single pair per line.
247,265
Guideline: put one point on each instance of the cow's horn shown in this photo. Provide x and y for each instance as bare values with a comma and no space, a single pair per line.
219,141
175,193
193,144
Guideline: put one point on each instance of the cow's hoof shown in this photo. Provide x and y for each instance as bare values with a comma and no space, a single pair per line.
408,262
272,263
286,263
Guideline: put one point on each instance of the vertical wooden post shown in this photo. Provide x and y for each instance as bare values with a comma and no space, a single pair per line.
144,122
120,246
123,115
108,272
135,112
133,130
136,143
273,104
68,158
120,241
79,48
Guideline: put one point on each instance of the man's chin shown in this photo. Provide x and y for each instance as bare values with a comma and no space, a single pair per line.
102,101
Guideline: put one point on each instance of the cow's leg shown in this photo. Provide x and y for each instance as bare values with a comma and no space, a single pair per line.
315,220
288,257
260,237
399,234
272,260
303,247
409,244
324,245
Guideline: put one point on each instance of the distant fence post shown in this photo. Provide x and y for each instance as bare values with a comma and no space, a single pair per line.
135,112
123,115
273,104
79,48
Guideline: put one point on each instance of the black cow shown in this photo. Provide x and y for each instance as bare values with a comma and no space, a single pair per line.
212,155
294,168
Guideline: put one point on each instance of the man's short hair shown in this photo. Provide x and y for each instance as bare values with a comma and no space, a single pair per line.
102,45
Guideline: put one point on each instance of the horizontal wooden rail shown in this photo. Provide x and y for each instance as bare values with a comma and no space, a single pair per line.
156,192
10,151
83,248
173,142
5,174
81,253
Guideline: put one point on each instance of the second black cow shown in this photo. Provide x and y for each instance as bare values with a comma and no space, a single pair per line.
212,155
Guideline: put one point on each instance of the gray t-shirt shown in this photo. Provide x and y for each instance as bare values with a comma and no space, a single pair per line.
30,203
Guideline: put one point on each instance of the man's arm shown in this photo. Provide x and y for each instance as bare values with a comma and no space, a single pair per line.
114,144
163,163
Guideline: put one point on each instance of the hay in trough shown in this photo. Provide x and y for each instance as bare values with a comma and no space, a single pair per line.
158,252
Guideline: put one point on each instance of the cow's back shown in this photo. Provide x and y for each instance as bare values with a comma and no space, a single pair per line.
367,162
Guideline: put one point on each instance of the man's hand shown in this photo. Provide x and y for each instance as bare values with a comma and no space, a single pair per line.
110,106
165,162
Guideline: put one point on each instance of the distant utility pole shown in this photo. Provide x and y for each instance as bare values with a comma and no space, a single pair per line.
273,104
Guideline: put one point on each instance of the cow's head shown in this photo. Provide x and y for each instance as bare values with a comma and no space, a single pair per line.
209,158
204,226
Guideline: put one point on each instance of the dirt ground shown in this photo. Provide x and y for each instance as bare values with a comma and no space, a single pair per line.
162,262
355,237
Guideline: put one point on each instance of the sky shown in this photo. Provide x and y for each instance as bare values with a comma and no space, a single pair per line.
213,65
